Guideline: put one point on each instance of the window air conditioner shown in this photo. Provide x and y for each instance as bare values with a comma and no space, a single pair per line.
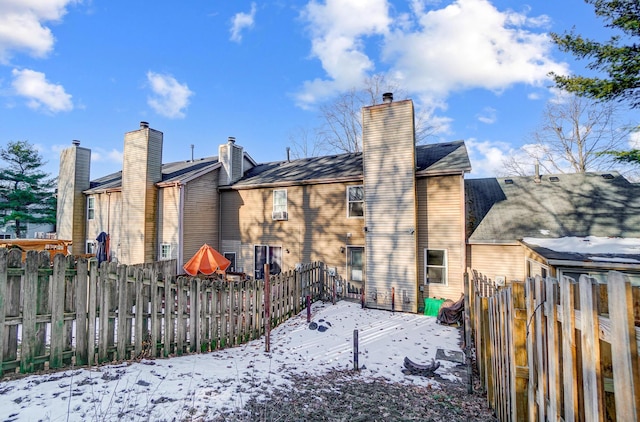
280,215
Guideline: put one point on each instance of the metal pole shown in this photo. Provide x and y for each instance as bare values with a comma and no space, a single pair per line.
356,367
308,308
267,309
393,299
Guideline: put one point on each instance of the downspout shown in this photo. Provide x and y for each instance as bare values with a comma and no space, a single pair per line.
180,228
108,245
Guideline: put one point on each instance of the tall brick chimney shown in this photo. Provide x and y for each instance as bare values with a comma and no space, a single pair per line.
231,156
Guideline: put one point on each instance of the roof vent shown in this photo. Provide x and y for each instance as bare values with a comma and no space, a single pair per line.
75,142
144,125
554,179
387,97
508,181
608,176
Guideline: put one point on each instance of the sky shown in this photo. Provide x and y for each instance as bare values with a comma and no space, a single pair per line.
204,70
165,388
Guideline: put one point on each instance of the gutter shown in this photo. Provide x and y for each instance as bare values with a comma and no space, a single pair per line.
292,183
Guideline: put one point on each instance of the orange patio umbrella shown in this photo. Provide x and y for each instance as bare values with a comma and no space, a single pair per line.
206,261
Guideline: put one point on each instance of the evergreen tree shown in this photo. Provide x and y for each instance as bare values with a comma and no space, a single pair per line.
26,192
618,59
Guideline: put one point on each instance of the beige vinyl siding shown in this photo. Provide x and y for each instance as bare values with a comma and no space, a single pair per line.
498,260
440,227
316,228
108,219
200,214
168,219
73,179
141,170
390,205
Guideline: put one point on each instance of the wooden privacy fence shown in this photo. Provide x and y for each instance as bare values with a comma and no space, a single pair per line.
73,312
552,349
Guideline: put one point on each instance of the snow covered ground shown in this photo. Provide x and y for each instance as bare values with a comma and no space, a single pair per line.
200,385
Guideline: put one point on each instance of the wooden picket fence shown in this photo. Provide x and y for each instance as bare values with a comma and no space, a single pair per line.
552,349
74,313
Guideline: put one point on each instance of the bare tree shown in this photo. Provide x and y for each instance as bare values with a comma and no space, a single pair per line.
306,142
572,137
341,130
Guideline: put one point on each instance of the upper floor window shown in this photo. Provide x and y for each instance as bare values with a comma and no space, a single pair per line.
435,266
355,201
280,205
91,210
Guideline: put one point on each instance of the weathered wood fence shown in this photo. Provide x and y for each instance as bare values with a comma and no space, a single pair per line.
552,349
73,312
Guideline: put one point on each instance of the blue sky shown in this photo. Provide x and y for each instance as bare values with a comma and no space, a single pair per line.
201,71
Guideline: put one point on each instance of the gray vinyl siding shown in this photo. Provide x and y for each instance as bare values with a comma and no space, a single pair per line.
390,205
200,214
315,230
441,227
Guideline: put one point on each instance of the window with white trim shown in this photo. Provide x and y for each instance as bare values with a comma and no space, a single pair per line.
280,204
91,203
355,201
165,251
435,266
91,247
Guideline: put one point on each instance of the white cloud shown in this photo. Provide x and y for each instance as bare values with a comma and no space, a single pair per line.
488,115
40,93
170,97
111,156
468,44
487,157
242,21
22,26
338,29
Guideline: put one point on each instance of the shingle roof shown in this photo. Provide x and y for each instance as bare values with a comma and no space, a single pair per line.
171,172
450,157
584,204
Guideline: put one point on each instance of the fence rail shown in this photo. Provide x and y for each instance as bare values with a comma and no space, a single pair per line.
552,349
73,312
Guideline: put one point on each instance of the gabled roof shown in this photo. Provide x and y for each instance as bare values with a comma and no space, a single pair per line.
507,209
443,158
178,171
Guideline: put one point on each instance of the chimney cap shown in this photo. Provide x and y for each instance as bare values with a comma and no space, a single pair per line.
144,125
387,97
231,139
75,142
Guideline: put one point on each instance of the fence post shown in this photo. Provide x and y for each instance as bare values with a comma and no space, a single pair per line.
356,365
308,309
467,335
267,310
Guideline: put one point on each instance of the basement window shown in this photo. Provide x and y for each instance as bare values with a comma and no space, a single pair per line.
554,179
508,181
608,176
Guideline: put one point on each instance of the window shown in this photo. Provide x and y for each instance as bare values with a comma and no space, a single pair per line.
231,256
355,263
165,251
5,236
280,204
355,201
90,207
91,247
267,254
435,266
